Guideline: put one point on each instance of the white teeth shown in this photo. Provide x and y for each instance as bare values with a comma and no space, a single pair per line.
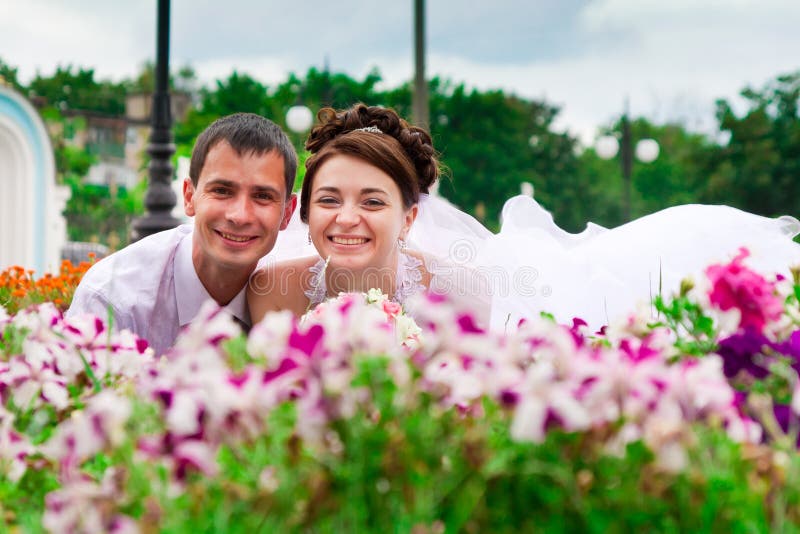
350,241
234,237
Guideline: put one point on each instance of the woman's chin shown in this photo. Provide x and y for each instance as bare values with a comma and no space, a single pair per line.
350,262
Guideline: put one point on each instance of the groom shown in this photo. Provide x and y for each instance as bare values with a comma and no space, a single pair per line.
239,192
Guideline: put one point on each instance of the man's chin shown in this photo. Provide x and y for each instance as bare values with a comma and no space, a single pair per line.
239,262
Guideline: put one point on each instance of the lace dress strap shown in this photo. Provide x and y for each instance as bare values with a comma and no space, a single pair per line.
318,290
409,278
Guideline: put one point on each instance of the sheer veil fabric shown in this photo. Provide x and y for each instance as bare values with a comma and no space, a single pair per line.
533,266
601,274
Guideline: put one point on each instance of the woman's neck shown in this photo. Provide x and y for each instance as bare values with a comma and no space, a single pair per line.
347,280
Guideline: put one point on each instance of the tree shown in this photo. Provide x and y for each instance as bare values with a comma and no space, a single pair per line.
677,176
490,143
77,89
758,169
8,75
237,93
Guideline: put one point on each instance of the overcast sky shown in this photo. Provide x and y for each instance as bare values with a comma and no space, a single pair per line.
670,58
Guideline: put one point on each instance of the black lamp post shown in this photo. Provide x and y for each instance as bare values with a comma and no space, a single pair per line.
159,198
646,151
420,99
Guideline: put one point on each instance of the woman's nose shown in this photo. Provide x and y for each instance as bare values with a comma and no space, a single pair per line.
348,216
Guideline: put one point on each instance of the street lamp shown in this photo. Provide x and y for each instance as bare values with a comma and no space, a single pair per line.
646,151
299,119
159,198
526,188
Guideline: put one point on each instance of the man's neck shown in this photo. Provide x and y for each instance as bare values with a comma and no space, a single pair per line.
224,291
222,284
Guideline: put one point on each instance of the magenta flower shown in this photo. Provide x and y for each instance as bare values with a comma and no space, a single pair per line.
735,286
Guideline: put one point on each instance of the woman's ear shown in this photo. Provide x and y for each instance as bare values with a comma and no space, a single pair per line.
409,218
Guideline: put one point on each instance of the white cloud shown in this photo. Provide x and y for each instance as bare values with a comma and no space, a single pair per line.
671,60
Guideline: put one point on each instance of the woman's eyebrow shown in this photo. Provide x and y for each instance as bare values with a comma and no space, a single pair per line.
368,190
327,188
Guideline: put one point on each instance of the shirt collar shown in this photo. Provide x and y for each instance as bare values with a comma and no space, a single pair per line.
190,294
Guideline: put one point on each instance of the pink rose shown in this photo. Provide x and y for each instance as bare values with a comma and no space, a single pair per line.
391,308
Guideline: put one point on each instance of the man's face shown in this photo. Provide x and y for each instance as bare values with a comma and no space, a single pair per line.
238,205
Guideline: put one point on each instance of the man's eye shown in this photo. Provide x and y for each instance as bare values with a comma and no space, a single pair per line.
221,190
263,196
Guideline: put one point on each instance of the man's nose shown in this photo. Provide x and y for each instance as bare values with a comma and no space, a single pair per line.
240,210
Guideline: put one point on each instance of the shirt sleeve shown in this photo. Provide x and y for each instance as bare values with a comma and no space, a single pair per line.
87,300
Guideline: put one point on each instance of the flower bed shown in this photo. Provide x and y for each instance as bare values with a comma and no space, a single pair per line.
684,416
19,288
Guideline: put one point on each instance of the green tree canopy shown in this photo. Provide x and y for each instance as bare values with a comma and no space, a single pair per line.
758,169
70,88
8,75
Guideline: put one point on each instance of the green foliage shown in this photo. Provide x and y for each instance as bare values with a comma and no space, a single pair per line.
491,141
758,169
102,214
184,79
67,88
8,75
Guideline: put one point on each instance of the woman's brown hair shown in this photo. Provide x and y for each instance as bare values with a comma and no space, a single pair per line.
379,137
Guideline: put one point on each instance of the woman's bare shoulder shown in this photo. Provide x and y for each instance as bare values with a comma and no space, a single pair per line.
280,286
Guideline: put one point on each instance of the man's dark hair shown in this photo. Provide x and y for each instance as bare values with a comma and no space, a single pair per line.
246,133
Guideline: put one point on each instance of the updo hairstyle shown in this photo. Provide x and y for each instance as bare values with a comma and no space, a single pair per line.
402,151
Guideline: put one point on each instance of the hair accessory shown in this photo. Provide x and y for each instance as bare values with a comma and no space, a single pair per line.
370,129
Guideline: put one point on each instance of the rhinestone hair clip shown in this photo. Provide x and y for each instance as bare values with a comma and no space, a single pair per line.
370,129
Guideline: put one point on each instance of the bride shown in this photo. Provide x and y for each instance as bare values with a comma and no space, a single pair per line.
371,224
360,199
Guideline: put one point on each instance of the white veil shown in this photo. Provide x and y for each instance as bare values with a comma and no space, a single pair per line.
532,265
600,274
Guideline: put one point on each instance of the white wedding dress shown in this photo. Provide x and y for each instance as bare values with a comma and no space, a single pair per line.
533,266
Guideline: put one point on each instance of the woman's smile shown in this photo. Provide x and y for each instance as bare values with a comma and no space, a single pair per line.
348,240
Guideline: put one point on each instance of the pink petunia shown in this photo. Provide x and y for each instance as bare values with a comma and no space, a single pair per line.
735,286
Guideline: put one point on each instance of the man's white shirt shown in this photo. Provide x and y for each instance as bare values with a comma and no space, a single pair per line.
151,288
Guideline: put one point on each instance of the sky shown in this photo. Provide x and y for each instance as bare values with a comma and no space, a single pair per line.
668,59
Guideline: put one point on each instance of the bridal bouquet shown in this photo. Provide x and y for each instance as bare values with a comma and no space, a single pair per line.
684,416
406,330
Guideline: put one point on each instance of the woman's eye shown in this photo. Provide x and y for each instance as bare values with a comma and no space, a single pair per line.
374,202
327,200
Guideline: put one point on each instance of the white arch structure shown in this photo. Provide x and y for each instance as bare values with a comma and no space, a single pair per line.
32,225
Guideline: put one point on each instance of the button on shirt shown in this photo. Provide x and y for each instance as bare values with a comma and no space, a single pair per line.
150,288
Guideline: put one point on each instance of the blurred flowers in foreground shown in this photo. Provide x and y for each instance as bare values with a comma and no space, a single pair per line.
682,416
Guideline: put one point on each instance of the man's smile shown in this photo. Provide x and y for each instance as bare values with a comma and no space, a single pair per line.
234,237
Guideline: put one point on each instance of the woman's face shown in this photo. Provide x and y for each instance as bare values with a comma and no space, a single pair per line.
356,214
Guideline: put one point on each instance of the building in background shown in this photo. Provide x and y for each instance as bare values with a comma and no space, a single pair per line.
32,225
